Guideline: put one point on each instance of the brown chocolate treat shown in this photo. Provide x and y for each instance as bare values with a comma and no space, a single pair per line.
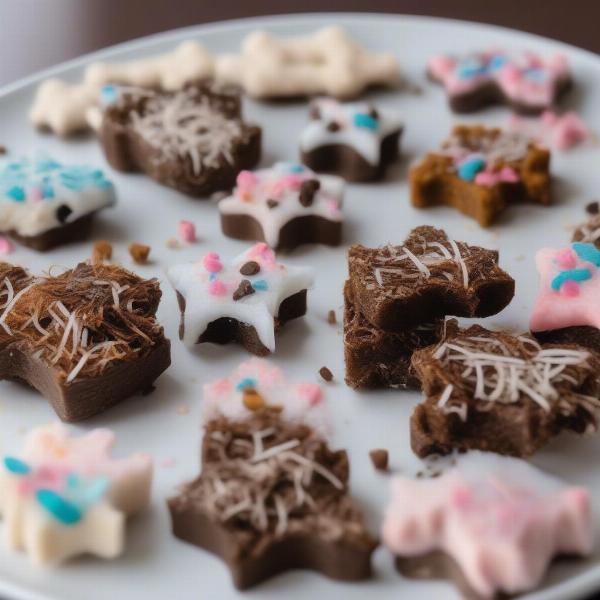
501,393
593,208
3,149
481,171
588,231
250,268
326,374
193,140
102,251
272,497
331,318
244,289
585,336
376,358
379,457
139,253
355,141
86,339
427,278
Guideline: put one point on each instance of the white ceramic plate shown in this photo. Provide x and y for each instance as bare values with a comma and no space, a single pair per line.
166,423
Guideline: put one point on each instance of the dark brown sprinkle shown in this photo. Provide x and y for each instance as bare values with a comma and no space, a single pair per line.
373,113
379,457
333,126
250,268
307,191
272,203
593,208
3,149
326,374
331,318
244,289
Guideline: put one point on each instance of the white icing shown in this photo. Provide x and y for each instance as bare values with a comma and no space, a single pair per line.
271,185
365,141
203,306
32,190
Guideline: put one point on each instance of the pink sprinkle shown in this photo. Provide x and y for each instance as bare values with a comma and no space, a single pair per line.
565,259
441,65
508,175
486,178
569,288
6,246
311,391
511,73
35,194
217,288
187,231
212,263
246,180
569,131
263,251
221,386
294,181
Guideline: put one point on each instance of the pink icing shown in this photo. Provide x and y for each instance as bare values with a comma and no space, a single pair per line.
566,258
6,246
217,288
569,289
562,132
311,391
187,231
489,178
212,262
246,180
263,252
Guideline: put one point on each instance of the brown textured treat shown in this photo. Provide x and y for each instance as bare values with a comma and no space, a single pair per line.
379,457
501,393
427,278
580,335
512,169
255,513
139,253
75,231
376,358
589,231
193,140
102,251
86,339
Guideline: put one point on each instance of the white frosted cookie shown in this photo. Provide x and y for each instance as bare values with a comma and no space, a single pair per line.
327,61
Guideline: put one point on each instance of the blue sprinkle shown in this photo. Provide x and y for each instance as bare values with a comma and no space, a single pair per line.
95,490
470,68
17,193
587,252
47,191
247,382
16,466
497,62
570,274
469,169
296,168
212,276
366,121
61,509
260,285
109,94
45,165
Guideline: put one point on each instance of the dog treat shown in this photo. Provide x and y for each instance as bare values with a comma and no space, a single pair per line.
495,391
480,172
427,278
354,140
325,62
86,339
65,495
272,495
139,253
492,524
379,457
285,206
44,203
377,358
246,301
102,251
527,83
193,140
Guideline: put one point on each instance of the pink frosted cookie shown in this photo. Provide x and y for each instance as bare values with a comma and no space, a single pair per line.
491,523
526,82
65,495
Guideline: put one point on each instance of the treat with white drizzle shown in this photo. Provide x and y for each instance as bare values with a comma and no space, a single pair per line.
284,206
500,392
481,171
428,277
272,495
44,202
194,139
64,495
247,300
85,339
492,524
355,140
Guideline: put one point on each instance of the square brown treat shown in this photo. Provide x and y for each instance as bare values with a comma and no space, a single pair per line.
376,358
480,171
501,393
428,277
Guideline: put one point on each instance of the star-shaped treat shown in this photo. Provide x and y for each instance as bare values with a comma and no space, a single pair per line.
272,495
527,82
284,206
65,495
491,523
247,300
429,276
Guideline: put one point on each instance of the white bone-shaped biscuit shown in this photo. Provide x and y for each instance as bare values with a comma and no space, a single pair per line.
325,62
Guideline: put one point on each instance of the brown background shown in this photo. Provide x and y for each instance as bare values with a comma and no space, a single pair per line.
39,33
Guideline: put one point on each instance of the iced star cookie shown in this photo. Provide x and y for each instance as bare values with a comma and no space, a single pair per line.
247,300
193,140
481,171
64,495
272,495
44,203
85,339
492,524
354,140
325,62
284,206
526,82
